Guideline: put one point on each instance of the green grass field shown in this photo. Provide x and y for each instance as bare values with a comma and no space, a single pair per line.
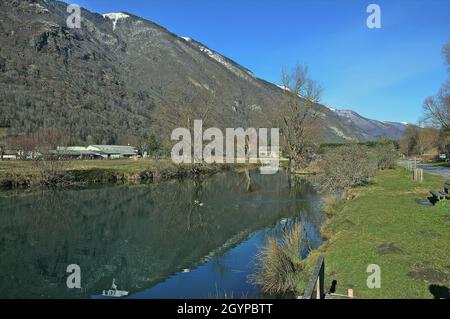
385,225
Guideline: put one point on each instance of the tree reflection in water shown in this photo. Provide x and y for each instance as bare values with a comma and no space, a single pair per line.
140,235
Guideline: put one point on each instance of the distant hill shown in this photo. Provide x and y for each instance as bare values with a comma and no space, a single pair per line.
368,130
102,82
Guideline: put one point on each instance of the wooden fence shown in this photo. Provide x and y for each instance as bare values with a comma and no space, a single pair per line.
316,285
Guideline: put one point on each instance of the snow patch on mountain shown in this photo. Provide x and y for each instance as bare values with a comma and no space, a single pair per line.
114,17
283,87
330,108
219,58
348,113
39,8
371,129
341,134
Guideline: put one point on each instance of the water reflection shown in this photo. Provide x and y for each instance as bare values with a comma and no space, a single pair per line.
155,240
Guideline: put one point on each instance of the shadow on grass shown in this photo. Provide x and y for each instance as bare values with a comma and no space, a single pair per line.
439,292
333,287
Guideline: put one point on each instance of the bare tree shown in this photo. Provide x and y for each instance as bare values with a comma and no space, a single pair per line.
437,108
409,142
48,140
428,140
297,115
443,143
181,107
24,145
3,134
446,54
51,167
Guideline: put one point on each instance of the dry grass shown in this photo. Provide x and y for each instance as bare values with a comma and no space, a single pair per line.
279,262
332,205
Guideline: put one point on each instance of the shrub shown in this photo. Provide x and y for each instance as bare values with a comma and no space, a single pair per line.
386,155
345,167
52,172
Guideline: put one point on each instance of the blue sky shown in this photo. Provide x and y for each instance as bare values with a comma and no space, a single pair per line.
383,74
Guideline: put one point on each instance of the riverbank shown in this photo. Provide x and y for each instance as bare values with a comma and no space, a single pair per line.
27,174
384,224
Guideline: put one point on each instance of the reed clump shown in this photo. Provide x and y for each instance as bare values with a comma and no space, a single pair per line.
279,262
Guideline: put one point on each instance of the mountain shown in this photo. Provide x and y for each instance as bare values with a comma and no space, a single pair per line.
369,130
101,83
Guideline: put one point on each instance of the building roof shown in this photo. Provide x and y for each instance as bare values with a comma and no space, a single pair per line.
113,149
73,151
72,148
99,150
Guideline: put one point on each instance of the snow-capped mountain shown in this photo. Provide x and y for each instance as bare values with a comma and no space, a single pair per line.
367,129
102,82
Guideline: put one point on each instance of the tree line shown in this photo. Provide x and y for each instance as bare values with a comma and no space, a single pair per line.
433,131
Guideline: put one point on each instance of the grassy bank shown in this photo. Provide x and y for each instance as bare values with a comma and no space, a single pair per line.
383,224
26,174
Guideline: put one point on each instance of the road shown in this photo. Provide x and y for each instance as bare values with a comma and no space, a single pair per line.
436,170
431,169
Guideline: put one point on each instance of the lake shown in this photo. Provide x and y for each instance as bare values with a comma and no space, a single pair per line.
191,238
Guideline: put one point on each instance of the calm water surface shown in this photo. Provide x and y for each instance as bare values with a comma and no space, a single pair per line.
177,239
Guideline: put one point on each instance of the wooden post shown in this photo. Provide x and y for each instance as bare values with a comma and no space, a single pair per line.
418,175
321,281
350,293
318,295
